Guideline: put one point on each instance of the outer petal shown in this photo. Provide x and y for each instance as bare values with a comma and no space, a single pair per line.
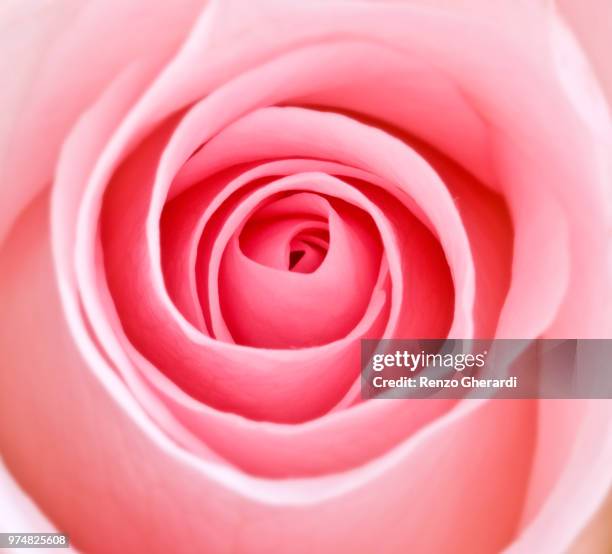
591,20
105,474
597,536
578,435
60,55
18,514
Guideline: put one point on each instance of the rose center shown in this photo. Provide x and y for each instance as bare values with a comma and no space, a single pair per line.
307,250
285,235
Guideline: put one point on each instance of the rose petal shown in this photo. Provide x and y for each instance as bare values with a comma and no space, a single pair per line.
41,41
591,20
563,494
325,305
157,497
255,405
597,535
18,513
211,369
290,132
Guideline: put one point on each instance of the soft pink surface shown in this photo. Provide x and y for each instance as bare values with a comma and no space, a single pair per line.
175,380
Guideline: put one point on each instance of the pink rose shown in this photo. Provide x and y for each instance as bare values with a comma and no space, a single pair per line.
206,205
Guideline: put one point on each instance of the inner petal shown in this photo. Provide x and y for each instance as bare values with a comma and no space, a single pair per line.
290,233
313,291
307,251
